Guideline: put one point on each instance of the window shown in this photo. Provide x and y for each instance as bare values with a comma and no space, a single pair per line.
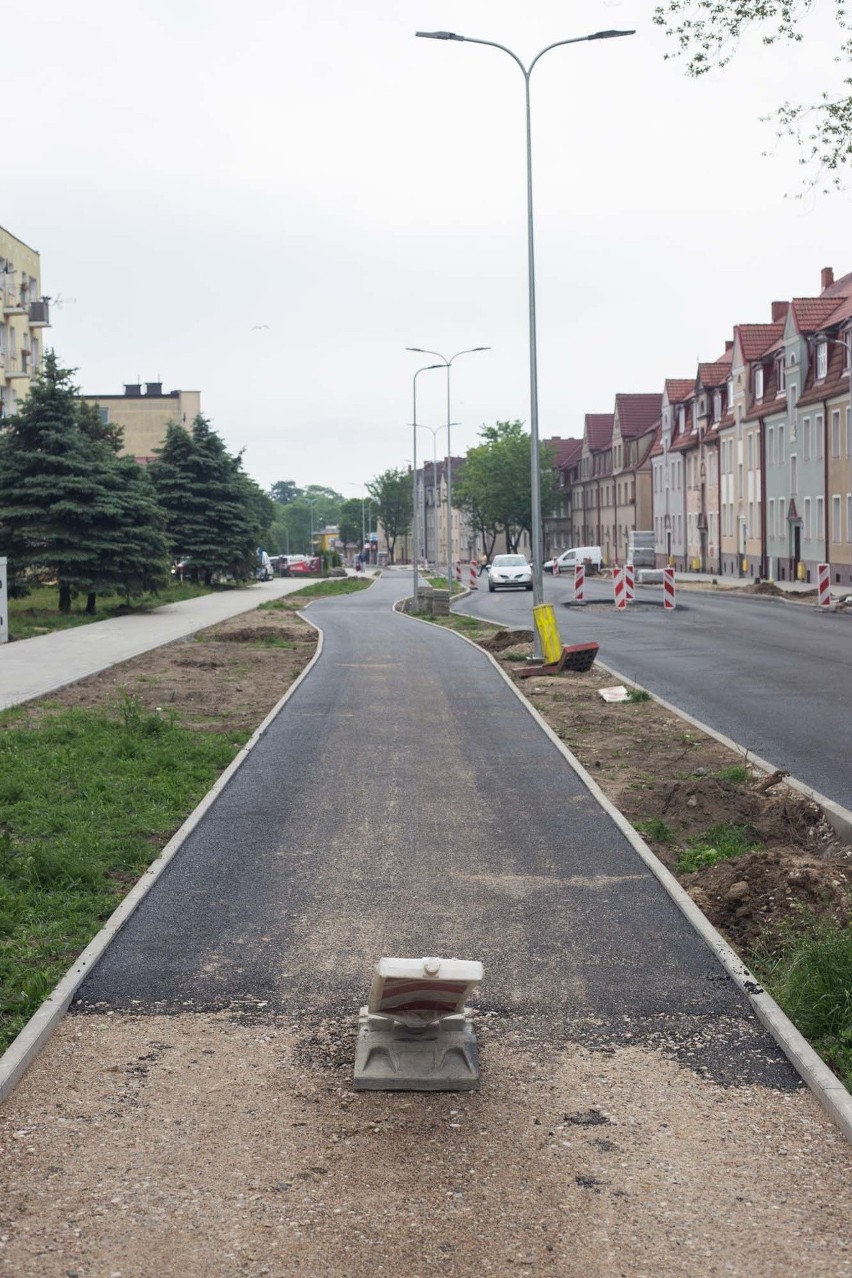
794,475
740,480
782,376
835,437
770,517
681,417
806,437
758,382
807,519
836,525
821,360
103,414
849,516
819,527
780,455
770,445
751,450
717,406
818,436
730,389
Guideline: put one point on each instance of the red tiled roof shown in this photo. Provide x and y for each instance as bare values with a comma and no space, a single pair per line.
637,413
715,374
679,388
810,313
755,339
843,312
598,430
565,451
840,288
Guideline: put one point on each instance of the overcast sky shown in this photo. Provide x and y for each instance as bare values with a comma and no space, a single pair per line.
269,202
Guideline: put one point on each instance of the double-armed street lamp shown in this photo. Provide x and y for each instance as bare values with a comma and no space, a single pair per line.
448,363
424,369
535,482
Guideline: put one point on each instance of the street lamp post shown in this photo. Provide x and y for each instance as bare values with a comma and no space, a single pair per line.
424,369
448,363
535,482
311,502
433,430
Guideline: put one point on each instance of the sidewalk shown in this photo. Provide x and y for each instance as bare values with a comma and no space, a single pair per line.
194,1116
34,667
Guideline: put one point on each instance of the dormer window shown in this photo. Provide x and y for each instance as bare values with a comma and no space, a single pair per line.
821,360
847,349
730,392
782,376
681,417
758,382
717,406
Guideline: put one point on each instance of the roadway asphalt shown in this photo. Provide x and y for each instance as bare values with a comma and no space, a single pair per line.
35,667
404,802
773,675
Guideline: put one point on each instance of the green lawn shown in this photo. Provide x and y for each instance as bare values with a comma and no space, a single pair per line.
38,613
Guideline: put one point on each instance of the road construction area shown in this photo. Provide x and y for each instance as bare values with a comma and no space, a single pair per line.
194,1113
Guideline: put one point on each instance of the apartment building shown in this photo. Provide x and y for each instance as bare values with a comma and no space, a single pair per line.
667,472
144,412
25,313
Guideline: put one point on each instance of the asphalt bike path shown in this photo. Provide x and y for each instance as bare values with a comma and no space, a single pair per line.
404,802
193,1115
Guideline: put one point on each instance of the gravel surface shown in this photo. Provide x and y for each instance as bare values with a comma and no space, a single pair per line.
195,1145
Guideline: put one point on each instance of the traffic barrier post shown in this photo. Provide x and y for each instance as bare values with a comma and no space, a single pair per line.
629,583
824,585
669,602
473,582
618,588
579,584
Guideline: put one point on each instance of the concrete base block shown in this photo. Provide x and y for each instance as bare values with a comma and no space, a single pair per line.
650,576
442,1057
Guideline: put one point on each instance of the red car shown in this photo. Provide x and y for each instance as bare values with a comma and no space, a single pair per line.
303,568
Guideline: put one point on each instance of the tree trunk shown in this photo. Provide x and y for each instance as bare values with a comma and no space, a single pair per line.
64,597
90,603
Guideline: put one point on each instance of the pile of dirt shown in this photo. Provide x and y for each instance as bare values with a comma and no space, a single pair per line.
504,639
766,588
255,634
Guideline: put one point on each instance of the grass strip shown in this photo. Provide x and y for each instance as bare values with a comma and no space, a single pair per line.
719,843
316,590
38,612
806,965
88,799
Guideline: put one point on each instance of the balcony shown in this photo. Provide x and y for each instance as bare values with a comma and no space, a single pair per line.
12,303
40,314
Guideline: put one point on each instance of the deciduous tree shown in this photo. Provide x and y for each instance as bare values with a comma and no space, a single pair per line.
394,500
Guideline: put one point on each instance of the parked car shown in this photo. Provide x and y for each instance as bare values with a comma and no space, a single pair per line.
301,566
509,572
590,556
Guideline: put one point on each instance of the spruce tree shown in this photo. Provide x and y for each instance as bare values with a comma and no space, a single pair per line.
70,509
210,503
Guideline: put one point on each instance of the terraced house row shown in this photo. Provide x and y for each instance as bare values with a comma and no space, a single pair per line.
745,468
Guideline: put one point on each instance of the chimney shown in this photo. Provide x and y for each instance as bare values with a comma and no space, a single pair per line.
826,278
133,389
779,311
729,346
154,388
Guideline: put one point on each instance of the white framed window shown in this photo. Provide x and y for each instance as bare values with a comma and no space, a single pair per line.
758,382
806,438
819,429
780,454
821,360
751,450
836,519
782,376
770,445
807,519
849,516
819,527
835,434
730,390
717,406
794,475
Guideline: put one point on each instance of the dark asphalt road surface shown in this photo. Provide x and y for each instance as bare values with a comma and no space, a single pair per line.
774,676
405,803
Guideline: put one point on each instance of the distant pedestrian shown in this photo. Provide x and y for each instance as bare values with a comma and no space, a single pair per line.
483,564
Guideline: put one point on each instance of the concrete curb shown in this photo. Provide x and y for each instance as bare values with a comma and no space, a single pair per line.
826,1087
23,1050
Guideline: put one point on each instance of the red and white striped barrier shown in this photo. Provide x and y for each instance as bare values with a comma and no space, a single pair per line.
556,567
458,571
669,601
629,582
618,588
473,582
579,584
824,585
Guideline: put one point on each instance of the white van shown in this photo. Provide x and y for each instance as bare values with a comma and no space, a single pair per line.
590,556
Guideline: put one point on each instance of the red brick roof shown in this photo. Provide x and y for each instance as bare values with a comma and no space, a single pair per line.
637,414
811,313
755,339
598,430
716,374
840,288
679,388
565,451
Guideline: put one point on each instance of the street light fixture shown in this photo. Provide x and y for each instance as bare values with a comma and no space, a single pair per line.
535,482
424,369
447,363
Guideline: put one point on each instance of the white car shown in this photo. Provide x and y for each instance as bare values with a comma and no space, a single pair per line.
508,571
